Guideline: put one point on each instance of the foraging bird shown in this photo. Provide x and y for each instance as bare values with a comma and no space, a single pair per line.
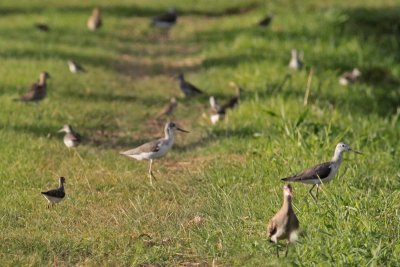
295,61
71,138
349,77
321,173
94,22
166,20
38,90
187,88
56,195
170,108
284,224
218,112
75,67
265,21
155,149
42,27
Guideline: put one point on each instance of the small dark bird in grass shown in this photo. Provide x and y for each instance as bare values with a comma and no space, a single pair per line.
56,195
95,22
187,88
38,90
284,224
71,138
75,67
265,21
350,77
218,112
42,27
166,20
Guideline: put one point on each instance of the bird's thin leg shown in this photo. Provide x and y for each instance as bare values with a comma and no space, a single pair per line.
151,173
277,250
312,193
317,190
287,249
48,205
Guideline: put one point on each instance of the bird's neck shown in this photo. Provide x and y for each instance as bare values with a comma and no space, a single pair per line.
42,80
338,156
287,204
169,135
61,186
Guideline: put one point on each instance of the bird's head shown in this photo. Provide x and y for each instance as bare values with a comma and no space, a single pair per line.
287,190
66,129
343,147
172,127
62,180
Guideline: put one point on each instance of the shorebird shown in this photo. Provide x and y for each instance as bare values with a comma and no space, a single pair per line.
55,195
42,27
37,91
295,61
166,20
169,109
350,77
265,21
187,88
284,224
71,138
75,67
323,172
94,22
218,112
155,149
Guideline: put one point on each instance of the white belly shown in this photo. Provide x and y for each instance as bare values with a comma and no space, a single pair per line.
164,148
53,199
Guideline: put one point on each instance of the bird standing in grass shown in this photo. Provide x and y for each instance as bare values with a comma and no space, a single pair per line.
169,109
284,224
155,149
187,88
166,20
42,27
349,77
94,22
295,61
75,67
56,195
38,90
265,21
218,112
323,172
71,138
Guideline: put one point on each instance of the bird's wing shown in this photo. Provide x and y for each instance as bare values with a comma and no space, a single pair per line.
55,193
31,94
319,171
153,146
231,103
271,228
167,17
76,137
194,88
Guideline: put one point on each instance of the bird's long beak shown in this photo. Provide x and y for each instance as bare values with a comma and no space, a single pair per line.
357,152
179,129
61,130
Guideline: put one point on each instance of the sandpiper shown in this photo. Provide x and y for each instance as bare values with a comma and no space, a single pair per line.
170,108
42,27
265,21
187,88
94,22
295,61
323,172
71,138
284,224
75,67
37,91
155,149
55,195
166,20
350,77
218,112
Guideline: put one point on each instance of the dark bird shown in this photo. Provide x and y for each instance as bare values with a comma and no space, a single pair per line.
71,138
350,77
94,22
42,27
75,67
169,109
38,90
166,20
187,88
265,21
284,225
218,112
56,195
321,173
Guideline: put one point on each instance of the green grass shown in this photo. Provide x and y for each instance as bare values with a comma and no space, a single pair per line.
227,174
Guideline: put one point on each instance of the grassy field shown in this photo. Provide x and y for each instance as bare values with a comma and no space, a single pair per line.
218,187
